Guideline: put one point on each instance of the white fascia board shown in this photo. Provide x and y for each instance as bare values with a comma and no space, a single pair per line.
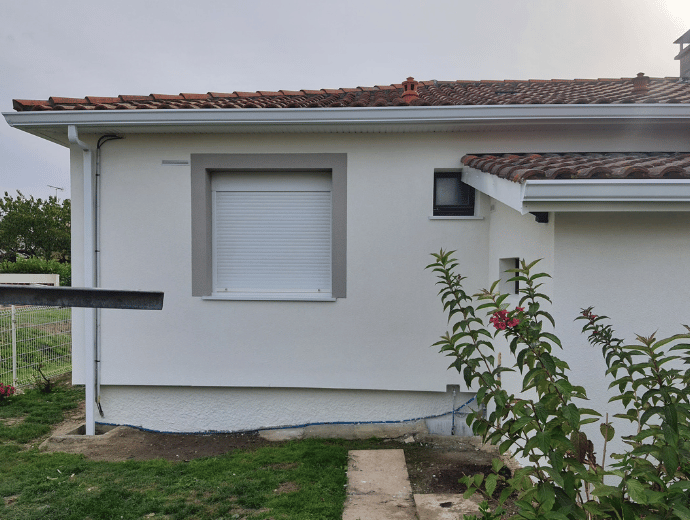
608,190
508,192
583,194
389,119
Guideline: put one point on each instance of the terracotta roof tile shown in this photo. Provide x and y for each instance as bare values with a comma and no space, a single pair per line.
436,93
100,100
195,96
135,98
554,166
66,101
27,104
165,97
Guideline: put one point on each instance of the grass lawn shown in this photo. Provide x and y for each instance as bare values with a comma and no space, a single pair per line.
296,480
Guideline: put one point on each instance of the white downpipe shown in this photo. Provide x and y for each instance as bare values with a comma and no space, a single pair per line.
90,338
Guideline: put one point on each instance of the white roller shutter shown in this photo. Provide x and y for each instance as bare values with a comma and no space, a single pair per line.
272,234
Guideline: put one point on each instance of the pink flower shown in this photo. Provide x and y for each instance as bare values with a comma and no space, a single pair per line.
501,321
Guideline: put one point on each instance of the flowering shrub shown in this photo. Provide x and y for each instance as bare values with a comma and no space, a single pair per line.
564,480
6,391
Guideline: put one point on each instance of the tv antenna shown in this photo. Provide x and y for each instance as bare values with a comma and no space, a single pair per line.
56,188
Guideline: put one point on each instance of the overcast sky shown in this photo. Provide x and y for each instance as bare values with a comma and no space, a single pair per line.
77,48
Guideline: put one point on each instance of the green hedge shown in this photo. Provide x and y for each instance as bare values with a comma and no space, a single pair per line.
39,266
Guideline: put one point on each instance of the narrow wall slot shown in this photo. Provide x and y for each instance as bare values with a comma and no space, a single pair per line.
505,286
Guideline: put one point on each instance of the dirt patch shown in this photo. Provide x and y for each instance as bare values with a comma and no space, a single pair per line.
123,443
287,487
12,421
436,465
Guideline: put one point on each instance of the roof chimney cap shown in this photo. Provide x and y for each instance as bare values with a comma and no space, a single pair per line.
641,84
410,89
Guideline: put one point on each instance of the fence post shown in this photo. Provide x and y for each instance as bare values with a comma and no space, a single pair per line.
14,346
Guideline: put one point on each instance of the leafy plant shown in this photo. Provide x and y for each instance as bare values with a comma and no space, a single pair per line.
485,513
39,266
34,227
563,479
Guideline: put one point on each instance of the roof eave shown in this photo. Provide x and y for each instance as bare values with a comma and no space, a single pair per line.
583,194
53,124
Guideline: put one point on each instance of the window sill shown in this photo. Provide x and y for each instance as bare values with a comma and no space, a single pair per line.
276,297
455,217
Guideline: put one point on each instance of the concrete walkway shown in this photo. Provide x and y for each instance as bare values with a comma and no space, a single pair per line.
378,488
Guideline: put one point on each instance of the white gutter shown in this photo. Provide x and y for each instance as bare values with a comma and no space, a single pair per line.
90,337
583,194
324,119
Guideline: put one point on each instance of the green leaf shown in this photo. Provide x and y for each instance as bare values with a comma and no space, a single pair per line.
548,362
478,479
490,484
682,512
669,457
652,410
520,424
607,431
546,496
504,495
496,465
544,441
589,411
636,491
671,416
553,338
555,475
571,414
505,445
602,490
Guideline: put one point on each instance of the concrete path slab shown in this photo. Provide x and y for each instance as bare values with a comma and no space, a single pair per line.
445,506
378,486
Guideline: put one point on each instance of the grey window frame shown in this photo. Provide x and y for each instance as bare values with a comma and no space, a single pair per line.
203,166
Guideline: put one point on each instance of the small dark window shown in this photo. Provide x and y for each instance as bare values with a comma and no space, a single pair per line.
452,197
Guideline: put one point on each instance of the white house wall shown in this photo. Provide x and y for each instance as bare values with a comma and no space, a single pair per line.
375,340
630,267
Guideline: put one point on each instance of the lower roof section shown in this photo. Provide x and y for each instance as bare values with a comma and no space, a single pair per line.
583,181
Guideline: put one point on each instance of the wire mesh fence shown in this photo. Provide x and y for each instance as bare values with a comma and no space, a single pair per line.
33,338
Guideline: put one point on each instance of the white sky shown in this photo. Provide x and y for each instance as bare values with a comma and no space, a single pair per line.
78,48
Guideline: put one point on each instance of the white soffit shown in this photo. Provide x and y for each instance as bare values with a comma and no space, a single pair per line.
583,194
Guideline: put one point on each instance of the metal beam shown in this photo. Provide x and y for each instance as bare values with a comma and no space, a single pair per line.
80,297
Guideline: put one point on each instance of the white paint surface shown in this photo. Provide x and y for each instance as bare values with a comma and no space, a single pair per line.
180,409
630,267
230,365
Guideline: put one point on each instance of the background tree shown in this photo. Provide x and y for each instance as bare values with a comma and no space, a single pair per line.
34,228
